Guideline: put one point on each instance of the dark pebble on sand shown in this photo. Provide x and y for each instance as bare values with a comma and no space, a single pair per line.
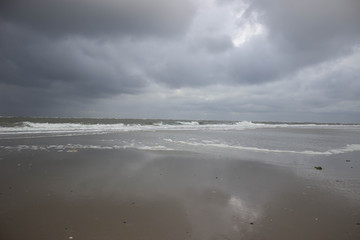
124,222
358,223
252,223
347,160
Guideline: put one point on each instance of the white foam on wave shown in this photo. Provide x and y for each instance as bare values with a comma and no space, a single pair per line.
80,129
31,129
347,148
71,147
193,123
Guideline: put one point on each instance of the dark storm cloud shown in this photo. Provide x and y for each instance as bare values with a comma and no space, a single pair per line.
53,51
37,62
92,17
43,77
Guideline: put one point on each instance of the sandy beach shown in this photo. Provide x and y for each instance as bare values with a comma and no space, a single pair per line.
133,194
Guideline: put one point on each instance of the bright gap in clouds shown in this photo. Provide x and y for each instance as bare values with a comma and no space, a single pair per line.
230,18
246,32
245,27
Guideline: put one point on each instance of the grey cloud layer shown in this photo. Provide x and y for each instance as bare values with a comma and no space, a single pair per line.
55,50
310,25
55,54
300,34
93,18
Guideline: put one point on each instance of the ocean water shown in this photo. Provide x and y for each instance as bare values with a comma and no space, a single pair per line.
218,137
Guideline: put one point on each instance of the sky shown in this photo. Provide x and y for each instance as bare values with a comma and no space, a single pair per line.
259,60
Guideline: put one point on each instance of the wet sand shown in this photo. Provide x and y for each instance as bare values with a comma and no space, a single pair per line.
130,194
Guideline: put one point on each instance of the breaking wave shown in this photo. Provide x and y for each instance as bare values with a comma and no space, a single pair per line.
78,128
29,128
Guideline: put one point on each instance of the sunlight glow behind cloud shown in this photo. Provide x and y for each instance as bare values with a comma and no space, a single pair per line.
245,27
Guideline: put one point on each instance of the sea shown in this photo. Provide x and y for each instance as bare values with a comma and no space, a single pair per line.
281,143
238,137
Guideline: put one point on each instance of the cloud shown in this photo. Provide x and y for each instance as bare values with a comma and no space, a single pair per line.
184,59
298,34
217,44
324,92
94,18
319,27
71,65
78,49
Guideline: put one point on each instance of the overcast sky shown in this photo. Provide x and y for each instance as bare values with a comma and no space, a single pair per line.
265,60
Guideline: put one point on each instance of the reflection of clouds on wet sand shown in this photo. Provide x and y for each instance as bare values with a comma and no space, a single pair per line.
150,195
242,213
241,208
215,214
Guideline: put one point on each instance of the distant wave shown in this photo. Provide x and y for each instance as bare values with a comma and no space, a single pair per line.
28,128
35,128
